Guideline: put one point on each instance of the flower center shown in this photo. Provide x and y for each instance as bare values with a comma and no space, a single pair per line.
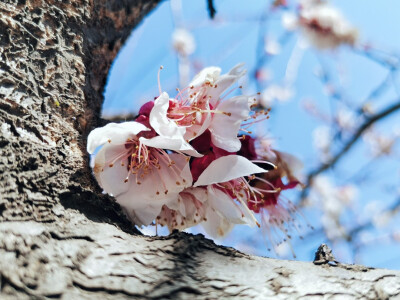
190,105
141,159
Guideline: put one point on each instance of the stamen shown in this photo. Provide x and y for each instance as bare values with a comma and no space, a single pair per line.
158,80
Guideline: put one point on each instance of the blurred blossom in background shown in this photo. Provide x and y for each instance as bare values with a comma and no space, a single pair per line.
329,71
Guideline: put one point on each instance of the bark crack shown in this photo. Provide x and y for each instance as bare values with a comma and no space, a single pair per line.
58,237
103,290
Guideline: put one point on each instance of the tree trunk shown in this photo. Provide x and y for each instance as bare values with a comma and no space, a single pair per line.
60,237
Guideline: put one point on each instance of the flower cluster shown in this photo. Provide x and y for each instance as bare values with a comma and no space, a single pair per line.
322,24
192,160
183,42
333,200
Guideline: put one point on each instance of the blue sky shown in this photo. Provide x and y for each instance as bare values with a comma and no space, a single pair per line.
232,38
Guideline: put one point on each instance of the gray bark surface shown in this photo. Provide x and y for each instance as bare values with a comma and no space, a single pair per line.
60,237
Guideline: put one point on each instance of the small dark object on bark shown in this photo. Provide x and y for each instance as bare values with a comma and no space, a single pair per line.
324,256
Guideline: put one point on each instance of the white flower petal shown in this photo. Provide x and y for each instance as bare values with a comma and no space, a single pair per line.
209,74
227,207
111,179
170,144
199,193
224,82
216,225
168,181
224,128
171,136
161,123
179,205
183,165
196,130
227,168
187,211
189,203
143,216
115,133
162,142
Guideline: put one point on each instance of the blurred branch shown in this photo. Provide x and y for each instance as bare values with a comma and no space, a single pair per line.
347,146
389,212
362,173
386,60
392,210
381,87
211,9
350,236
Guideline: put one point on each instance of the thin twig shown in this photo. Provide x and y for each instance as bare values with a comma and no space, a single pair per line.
392,210
211,9
368,123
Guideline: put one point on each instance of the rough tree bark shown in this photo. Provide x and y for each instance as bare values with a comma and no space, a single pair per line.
59,236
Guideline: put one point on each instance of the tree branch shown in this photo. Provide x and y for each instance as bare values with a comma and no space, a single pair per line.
358,133
211,8
79,259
